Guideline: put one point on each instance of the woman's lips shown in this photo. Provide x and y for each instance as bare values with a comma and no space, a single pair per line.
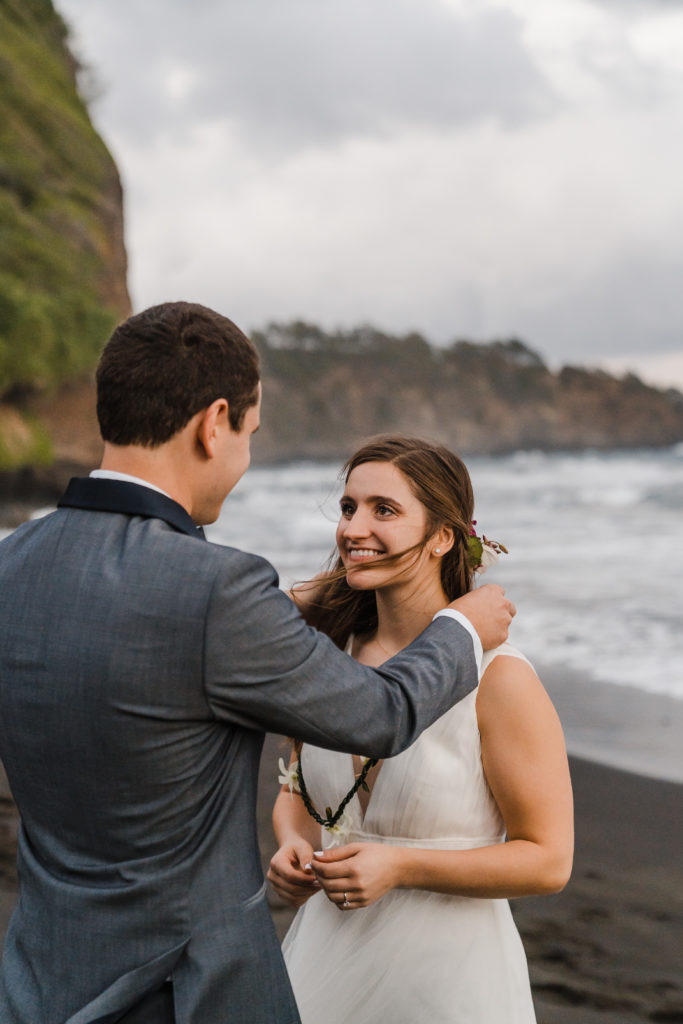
362,554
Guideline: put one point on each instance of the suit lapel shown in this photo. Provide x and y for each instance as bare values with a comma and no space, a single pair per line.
98,494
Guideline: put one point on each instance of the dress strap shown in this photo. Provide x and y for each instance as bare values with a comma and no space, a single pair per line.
508,650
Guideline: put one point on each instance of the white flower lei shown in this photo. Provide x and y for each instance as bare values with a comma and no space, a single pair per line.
289,776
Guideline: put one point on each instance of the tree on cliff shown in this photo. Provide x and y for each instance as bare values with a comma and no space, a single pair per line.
62,258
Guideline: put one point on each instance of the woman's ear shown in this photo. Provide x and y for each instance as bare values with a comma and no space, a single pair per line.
442,541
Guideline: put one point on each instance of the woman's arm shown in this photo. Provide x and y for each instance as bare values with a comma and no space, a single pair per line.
297,835
525,763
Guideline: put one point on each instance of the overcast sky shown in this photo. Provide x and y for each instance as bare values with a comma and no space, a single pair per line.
466,168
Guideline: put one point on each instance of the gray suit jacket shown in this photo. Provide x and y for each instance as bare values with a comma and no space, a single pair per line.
139,669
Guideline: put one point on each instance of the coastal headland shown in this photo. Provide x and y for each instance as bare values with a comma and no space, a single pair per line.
324,394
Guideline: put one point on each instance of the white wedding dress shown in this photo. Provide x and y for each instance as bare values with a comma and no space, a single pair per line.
413,957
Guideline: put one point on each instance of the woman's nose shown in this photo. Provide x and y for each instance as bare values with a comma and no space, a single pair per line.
357,525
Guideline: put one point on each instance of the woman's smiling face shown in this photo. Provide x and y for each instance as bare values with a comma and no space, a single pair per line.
380,517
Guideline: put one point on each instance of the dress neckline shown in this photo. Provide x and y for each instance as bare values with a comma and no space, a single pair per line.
355,763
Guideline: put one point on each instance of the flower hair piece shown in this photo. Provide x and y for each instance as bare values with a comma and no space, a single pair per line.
482,552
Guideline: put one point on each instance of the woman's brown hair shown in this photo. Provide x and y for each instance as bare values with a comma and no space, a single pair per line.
440,481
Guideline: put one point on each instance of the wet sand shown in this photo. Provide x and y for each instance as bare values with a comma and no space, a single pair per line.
607,950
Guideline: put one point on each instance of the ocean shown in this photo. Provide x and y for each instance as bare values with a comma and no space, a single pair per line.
595,540
595,568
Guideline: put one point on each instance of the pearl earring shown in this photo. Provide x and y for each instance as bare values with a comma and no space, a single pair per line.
437,551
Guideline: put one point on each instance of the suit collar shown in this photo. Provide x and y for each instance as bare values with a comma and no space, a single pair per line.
103,495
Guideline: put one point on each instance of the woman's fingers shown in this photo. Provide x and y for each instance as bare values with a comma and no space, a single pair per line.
292,878
338,867
345,899
292,881
290,862
364,872
296,894
341,890
293,886
330,872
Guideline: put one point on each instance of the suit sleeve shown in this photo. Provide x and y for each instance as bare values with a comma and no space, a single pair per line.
265,669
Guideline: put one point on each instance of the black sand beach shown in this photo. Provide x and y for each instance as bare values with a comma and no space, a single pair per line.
607,950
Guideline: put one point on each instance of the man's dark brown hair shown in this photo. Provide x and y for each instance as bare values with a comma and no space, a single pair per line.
162,366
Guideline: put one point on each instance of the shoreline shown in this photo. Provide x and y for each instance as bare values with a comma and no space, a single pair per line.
616,726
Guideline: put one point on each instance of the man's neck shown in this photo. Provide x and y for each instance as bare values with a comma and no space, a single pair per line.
156,467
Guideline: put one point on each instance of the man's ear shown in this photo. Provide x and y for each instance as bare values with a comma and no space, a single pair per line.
211,423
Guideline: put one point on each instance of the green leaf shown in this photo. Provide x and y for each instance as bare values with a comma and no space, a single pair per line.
475,550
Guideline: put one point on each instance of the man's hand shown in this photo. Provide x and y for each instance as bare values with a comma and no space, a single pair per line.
489,611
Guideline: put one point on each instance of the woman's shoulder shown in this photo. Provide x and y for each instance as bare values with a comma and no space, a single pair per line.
508,682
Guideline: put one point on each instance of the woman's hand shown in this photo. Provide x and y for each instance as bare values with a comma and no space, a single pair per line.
357,875
290,872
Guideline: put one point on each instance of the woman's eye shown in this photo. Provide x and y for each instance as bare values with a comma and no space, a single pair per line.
346,509
385,510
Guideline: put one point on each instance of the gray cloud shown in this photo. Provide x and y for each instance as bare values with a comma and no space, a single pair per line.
401,163
312,72
629,306
638,7
286,75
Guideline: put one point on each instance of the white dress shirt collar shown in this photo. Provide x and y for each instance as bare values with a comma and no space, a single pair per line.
112,474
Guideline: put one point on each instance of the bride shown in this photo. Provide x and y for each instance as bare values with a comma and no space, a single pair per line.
403,892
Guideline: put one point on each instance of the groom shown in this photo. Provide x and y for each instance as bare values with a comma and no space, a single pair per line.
139,669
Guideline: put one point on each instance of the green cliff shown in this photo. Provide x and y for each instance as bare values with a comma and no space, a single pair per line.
62,257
